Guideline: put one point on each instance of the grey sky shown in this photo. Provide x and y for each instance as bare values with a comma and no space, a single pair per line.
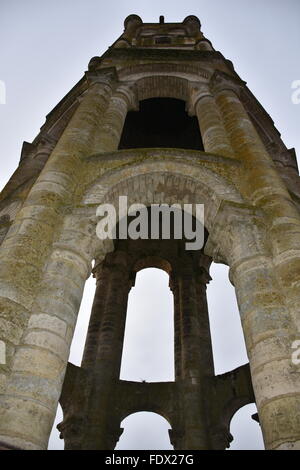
45,49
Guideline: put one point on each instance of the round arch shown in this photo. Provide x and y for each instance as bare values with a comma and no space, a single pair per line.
151,409
157,436
148,345
152,262
245,429
163,177
157,180
169,80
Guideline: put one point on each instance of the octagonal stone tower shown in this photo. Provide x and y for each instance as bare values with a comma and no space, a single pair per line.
160,118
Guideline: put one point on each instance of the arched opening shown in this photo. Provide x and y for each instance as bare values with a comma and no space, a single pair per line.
245,430
229,350
76,353
80,332
145,430
148,350
2,92
55,443
161,122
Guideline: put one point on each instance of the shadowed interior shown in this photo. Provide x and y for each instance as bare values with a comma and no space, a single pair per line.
161,122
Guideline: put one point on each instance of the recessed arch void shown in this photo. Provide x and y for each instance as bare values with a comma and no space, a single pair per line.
145,430
82,322
161,122
76,351
148,348
246,431
55,443
229,350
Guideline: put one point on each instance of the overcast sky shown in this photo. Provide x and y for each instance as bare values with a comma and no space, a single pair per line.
45,49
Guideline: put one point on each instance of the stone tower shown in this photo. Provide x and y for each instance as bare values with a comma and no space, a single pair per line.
160,118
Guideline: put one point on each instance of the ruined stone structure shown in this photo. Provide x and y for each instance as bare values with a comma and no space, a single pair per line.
161,117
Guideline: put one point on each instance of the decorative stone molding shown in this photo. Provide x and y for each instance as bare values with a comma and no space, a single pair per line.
221,81
128,90
94,63
107,76
197,91
245,234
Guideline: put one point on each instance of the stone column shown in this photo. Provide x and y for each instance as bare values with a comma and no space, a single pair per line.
196,359
26,415
202,279
109,134
262,185
268,327
214,136
177,333
103,349
108,316
92,338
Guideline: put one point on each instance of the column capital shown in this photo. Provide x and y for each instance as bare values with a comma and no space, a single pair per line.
221,81
176,437
114,262
173,282
128,90
45,146
202,276
46,140
197,91
239,232
106,76
94,63
221,438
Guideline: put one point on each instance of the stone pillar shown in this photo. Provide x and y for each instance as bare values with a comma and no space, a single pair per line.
202,279
196,355
262,184
109,134
214,136
92,338
194,321
27,412
35,382
268,327
177,334
103,349
104,343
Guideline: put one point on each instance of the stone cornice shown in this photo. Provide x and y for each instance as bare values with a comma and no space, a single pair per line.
174,69
163,54
166,153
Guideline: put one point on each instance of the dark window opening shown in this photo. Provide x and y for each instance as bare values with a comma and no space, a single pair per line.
161,122
163,40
